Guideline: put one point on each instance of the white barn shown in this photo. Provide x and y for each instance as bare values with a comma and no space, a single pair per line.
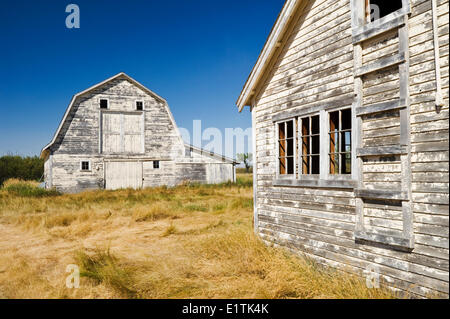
119,134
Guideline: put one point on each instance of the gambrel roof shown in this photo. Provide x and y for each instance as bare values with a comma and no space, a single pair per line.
74,98
272,45
45,150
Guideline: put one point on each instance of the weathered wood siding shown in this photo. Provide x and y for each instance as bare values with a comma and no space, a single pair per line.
317,67
120,134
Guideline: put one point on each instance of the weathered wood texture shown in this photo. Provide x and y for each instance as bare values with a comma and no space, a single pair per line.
122,143
316,67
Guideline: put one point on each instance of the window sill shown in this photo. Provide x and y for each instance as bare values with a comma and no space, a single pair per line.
400,241
383,25
316,183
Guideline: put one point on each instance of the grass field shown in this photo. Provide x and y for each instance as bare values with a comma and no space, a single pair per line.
191,241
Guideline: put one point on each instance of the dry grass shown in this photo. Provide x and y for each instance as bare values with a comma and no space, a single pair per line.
187,242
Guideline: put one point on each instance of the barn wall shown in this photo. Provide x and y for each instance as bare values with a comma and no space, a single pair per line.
316,66
68,177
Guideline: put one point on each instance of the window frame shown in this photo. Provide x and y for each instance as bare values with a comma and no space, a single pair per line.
324,179
156,165
300,136
277,141
89,166
100,103
360,22
339,131
136,107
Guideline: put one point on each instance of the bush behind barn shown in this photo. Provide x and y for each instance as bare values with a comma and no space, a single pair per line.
24,168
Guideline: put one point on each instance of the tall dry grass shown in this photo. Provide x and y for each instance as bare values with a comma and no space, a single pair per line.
192,241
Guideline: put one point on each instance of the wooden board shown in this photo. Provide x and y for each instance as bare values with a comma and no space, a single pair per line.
120,175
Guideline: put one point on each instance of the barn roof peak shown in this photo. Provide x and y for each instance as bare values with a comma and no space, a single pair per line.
72,101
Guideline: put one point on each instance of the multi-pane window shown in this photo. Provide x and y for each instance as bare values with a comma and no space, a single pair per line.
103,103
85,166
286,145
340,150
156,164
139,105
310,144
318,145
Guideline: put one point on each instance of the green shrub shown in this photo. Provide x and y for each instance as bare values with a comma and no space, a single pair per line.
25,189
25,168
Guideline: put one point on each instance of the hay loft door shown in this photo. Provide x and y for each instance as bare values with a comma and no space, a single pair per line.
122,132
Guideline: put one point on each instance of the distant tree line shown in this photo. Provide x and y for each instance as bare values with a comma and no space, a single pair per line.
26,168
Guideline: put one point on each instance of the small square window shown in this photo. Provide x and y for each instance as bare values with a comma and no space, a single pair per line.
85,166
103,104
156,164
139,105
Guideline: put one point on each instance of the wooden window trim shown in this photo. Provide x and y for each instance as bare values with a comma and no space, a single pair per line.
363,30
100,103
279,175
89,166
331,135
136,107
302,135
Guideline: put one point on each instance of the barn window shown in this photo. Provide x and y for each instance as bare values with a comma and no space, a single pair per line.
286,146
310,144
85,165
139,105
103,103
156,164
340,150
376,9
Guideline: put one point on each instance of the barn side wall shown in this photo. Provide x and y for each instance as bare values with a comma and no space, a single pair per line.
316,66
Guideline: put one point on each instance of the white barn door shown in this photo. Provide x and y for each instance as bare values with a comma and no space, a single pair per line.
122,133
123,175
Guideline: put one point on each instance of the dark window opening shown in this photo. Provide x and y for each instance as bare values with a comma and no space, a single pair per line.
103,104
85,166
310,138
139,105
286,143
340,133
156,164
381,8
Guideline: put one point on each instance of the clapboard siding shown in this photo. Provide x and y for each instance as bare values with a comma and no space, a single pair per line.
122,133
315,66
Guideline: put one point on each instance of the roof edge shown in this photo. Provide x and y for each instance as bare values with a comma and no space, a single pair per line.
272,43
212,154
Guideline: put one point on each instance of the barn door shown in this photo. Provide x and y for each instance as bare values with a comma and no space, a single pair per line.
122,133
120,175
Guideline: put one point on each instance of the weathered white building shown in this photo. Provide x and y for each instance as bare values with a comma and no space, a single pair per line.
349,102
119,134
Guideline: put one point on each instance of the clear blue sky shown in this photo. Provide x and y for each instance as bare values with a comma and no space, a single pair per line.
196,54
